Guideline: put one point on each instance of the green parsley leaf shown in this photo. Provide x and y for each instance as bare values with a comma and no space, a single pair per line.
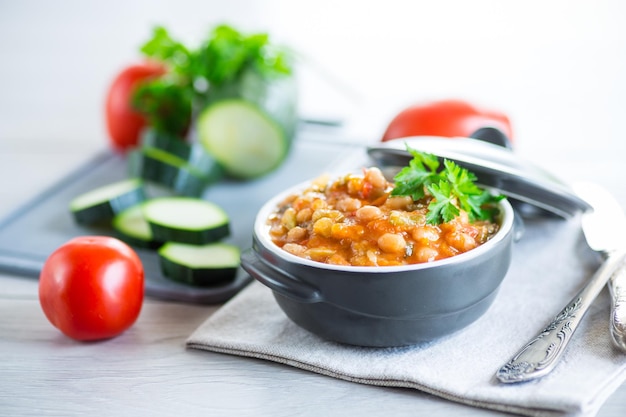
443,206
163,47
413,179
453,188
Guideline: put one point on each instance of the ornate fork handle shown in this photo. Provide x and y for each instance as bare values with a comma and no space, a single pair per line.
539,356
617,285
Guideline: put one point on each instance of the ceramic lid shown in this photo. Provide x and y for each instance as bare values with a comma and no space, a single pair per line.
494,166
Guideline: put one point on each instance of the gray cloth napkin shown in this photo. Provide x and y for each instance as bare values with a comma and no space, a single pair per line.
550,263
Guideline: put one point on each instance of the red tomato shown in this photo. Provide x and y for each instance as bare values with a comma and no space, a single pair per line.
448,118
124,124
92,287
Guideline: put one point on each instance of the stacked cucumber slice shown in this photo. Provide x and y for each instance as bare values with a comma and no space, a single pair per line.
186,169
192,229
186,230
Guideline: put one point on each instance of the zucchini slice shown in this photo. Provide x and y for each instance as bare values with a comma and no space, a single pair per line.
161,167
193,155
150,138
186,220
200,265
103,203
132,228
243,139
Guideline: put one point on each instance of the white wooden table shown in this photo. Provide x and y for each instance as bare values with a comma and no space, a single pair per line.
148,370
557,69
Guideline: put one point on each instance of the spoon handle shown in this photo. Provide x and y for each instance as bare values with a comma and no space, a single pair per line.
539,356
617,286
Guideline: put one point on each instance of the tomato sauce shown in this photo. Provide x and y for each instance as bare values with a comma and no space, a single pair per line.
355,221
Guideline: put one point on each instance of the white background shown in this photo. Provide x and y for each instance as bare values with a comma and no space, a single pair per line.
558,68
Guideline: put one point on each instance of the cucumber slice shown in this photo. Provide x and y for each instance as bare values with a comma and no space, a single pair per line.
200,265
161,167
186,220
150,138
243,139
194,155
103,203
132,228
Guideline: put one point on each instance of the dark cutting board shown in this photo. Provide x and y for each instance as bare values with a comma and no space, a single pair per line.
32,232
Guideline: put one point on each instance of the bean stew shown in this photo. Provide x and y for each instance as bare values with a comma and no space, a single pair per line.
354,220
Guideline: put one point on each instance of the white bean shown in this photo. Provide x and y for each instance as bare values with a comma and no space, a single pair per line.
392,243
368,213
375,177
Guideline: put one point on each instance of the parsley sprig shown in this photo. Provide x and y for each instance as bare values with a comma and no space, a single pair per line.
453,188
221,57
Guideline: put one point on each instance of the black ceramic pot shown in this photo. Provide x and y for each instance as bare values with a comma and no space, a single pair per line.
381,306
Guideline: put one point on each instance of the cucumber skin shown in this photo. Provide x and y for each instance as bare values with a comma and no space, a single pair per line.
106,211
169,143
201,277
138,242
194,237
194,154
178,179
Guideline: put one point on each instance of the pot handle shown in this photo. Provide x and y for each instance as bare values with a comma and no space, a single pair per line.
492,135
279,281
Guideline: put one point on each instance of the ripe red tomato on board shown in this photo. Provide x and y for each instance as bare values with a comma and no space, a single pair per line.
92,287
124,124
448,118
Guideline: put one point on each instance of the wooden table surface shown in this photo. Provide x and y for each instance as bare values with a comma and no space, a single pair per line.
559,73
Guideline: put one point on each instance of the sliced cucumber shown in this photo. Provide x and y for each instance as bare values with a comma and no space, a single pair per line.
161,167
243,139
103,203
150,138
186,220
132,228
192,155
200,265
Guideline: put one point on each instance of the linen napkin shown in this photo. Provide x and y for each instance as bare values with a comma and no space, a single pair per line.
550,264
